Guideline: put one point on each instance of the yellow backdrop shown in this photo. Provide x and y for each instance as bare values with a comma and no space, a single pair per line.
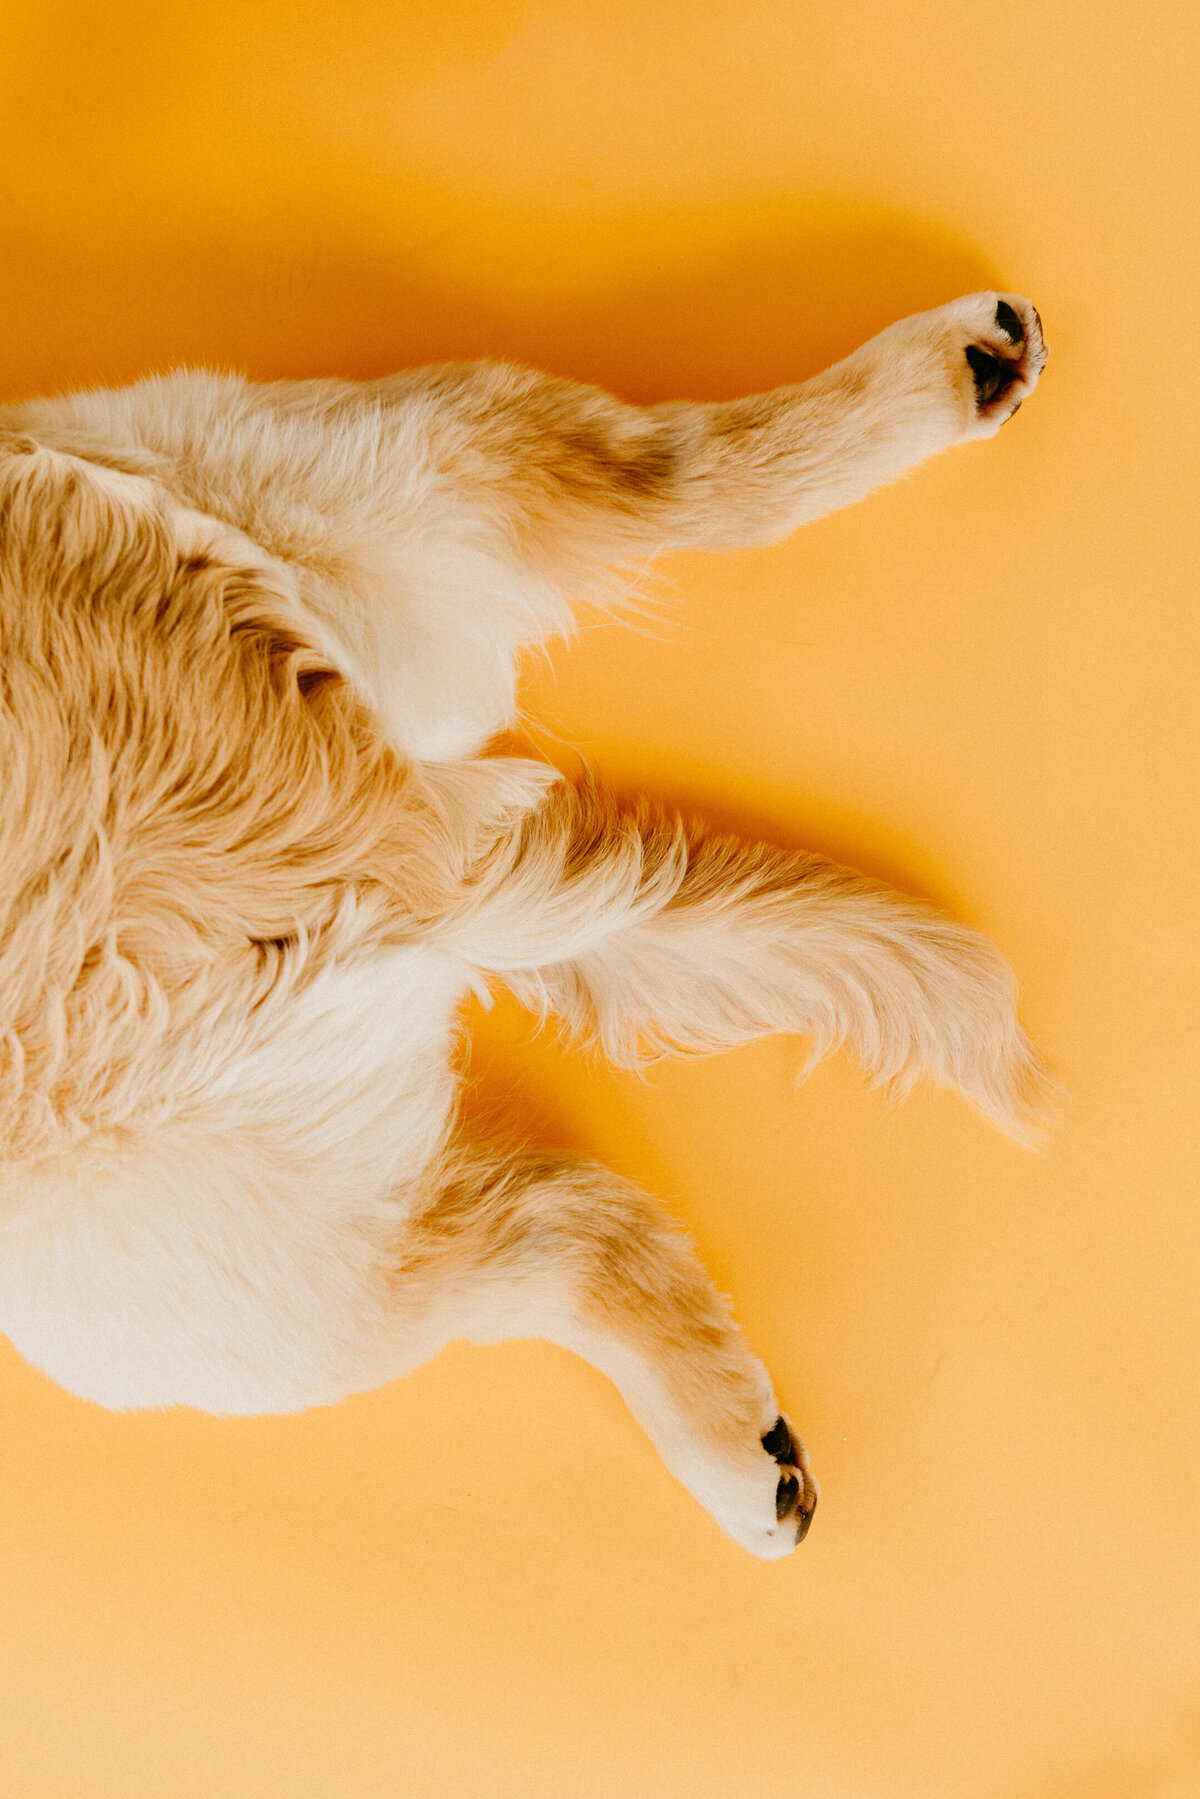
479,1583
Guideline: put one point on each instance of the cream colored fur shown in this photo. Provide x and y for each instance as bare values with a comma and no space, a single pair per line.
254,641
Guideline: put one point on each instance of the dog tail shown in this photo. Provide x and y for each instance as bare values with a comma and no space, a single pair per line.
651,937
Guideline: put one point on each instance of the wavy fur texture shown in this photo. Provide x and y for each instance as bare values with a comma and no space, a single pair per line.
254,641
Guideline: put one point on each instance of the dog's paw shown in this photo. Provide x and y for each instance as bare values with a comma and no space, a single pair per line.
765,1497
796,1492
999,355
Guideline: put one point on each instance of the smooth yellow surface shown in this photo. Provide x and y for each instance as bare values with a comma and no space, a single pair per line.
479,1584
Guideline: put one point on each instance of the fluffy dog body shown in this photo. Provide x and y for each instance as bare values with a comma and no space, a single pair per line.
255,641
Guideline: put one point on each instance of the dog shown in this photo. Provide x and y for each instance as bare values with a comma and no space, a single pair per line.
254,853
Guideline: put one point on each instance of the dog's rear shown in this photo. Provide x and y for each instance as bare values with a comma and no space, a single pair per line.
253,643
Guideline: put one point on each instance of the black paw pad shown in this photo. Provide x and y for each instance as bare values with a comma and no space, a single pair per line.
1009,322
778,1441
786,1495
990,374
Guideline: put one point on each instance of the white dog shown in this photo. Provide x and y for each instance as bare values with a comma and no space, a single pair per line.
253,853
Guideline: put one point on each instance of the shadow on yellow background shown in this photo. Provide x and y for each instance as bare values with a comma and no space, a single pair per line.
778,303
980,684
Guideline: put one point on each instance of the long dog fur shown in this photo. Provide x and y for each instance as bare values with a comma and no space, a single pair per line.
254,641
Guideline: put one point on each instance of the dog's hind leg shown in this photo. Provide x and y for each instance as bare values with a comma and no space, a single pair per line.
560,1248
579,478
439,521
